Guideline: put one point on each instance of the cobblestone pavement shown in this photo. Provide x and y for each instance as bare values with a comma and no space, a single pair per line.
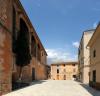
56,88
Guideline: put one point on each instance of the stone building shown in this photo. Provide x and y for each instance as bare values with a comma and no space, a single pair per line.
84,56
64,71
22,55
94,46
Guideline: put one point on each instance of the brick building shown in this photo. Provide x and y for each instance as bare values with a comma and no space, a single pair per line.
22,55
64,71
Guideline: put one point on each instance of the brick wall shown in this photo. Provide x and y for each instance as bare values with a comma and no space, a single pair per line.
6,55
5,46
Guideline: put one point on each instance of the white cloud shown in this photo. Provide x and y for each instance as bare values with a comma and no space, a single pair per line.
75,44
59,55
95,25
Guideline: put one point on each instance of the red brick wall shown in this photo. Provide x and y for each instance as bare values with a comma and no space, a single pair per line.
40,69
5,46
6,64
6,55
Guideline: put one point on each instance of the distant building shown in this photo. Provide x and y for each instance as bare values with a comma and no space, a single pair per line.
84,56
64,71
94,46
22,55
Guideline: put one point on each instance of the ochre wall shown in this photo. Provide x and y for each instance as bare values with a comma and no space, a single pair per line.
69,70
95,62
84,57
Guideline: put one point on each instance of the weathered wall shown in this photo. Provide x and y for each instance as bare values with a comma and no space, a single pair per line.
53,72
9,71
84,57
40,69
95,61
86,69
68,70
5,46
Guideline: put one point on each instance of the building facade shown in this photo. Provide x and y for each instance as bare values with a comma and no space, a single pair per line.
94,45
84,57
22,55
64,71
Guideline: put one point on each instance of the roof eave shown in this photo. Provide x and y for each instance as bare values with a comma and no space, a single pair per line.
91,40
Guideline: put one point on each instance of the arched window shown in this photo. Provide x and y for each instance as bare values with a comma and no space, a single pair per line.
38,53
33,46
23,50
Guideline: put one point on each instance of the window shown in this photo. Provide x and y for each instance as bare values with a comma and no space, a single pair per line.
38,53
57,65
33,46
73,64
64,65
94,53
94,76
64,77
74,76
57,70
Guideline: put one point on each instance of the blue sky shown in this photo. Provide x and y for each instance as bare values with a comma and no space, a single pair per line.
60,23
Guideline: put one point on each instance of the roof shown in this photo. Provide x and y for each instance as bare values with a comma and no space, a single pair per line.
89,30
67,63
95,35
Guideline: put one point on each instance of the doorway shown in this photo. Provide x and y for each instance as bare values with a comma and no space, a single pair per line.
64,77
94,76
33,73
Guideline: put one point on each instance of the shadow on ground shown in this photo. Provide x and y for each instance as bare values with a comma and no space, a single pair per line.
20,85
37,82
92,91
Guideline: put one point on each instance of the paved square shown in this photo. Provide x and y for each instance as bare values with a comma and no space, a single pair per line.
56,88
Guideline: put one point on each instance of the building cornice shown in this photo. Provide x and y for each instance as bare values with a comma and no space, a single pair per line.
94,36
66,63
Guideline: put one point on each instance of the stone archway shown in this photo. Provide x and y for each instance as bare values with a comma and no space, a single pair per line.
23,51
